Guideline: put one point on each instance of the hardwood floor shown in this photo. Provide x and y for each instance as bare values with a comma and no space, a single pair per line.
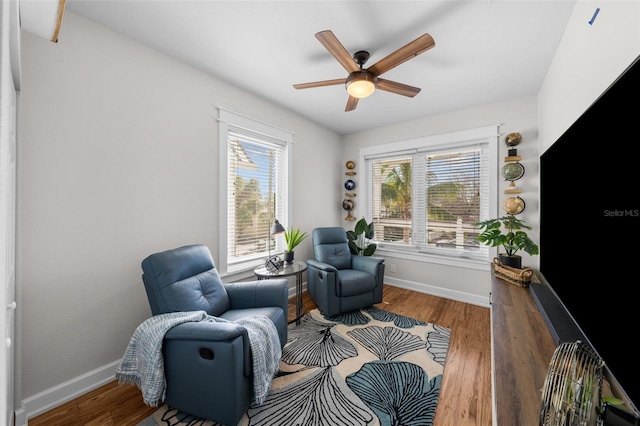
465,396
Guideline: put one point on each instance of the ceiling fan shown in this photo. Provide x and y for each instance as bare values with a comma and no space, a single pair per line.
362,82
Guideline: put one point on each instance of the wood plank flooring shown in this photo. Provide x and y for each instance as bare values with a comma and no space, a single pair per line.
465,396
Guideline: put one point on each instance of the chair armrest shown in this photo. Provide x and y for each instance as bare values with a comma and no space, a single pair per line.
321,266
259,293
367,264
209,331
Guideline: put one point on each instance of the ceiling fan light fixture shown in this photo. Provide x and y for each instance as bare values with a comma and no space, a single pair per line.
361,84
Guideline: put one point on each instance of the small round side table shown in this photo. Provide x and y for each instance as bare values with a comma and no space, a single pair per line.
286,270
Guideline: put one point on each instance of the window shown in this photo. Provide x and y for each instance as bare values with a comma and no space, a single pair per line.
423,195
254,190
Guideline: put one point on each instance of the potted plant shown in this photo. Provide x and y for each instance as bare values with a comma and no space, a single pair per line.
293,237
359,239
509,232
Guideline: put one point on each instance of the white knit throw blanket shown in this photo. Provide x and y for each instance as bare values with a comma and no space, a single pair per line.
143,365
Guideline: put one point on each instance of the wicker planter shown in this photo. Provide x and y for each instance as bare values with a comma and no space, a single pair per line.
517,276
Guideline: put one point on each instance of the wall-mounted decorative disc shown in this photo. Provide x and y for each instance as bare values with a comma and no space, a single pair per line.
513,139
513,205
349,185
512,171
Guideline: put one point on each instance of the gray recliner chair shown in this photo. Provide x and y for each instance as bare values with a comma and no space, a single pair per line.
339,281
208,365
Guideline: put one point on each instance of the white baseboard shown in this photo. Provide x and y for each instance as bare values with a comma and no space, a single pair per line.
460,296
64,392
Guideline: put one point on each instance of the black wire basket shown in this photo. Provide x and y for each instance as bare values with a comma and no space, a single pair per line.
572,389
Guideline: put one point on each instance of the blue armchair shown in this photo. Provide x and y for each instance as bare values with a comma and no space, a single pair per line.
208,365
338,281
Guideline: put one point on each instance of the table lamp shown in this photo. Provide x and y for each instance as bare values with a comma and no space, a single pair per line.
274,263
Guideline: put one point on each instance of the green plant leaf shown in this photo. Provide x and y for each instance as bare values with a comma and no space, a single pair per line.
293,237
508,232
369,250
359,238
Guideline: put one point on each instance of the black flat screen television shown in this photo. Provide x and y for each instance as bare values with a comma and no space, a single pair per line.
590,227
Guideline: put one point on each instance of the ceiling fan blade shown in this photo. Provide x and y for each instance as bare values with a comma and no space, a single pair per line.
406,52
333,45
352,103
320,83
398,88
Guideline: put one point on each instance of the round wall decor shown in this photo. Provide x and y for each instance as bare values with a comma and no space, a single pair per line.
513,205
513,139
512,171
350,165
350,185
347,204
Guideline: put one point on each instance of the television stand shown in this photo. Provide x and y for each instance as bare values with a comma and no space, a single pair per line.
521,348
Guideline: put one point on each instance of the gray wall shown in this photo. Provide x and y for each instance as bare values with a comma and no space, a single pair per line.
589,58
118,158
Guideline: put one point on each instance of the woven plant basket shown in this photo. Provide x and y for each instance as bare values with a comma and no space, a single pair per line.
519,277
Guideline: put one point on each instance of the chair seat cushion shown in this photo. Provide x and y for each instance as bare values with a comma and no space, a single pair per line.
353,282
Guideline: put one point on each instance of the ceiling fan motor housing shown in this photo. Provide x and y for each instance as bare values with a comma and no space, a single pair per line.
361,57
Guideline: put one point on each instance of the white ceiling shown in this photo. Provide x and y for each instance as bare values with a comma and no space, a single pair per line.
486,50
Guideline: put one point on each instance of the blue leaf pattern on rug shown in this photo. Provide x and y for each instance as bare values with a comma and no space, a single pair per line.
350,318
400,393
399,320
438,343
316,400
387,343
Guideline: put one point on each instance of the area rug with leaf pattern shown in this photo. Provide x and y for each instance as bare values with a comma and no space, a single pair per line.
367,367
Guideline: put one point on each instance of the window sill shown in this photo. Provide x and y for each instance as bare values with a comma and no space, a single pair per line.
242,271
441,259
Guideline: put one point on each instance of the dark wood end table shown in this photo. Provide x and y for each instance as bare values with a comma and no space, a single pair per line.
286,270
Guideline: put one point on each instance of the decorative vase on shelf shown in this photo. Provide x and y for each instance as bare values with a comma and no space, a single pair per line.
288,257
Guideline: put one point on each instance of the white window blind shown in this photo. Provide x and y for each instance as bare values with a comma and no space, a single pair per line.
255,172
424,195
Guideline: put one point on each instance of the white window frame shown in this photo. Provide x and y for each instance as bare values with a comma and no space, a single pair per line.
233,122
488,136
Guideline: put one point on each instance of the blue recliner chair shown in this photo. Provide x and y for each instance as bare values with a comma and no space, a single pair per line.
208,365
338,281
